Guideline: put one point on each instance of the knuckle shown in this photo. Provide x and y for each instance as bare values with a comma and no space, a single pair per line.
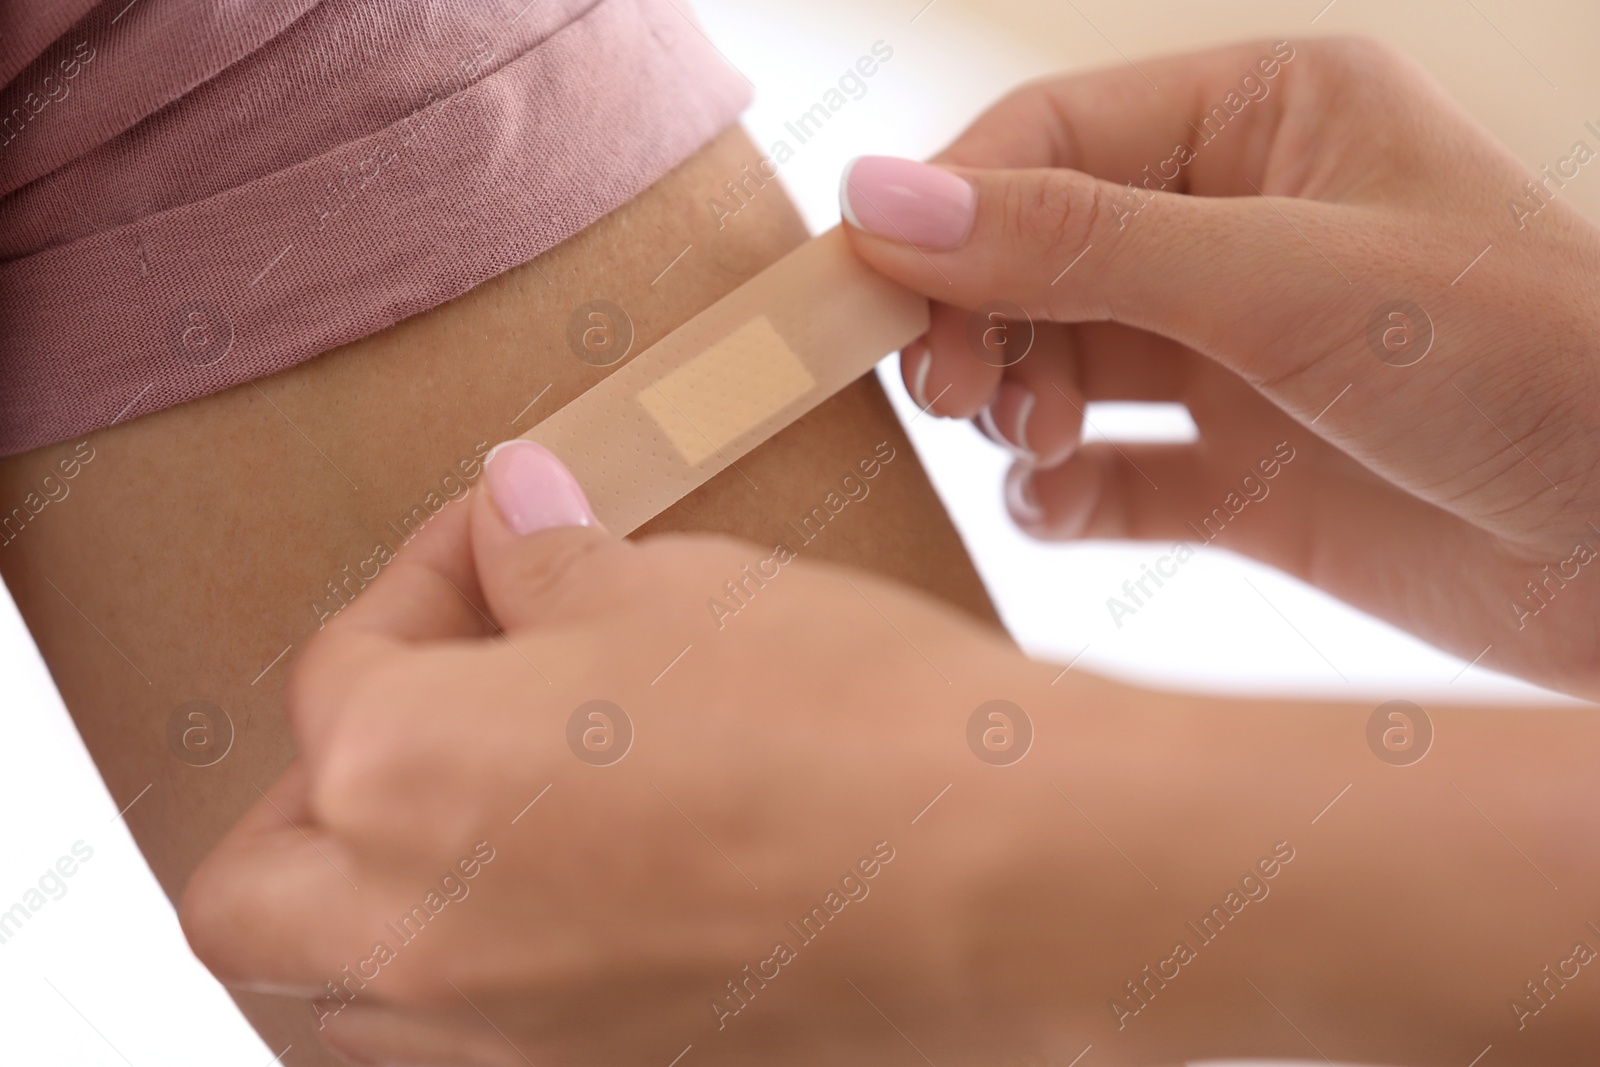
304,683
412,738
362,764
1357,56
576,563
342,799
413,981
1055,214
344,788
206,915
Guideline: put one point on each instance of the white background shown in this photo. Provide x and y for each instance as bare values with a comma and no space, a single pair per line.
102,976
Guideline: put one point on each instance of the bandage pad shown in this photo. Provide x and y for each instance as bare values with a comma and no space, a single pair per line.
694,403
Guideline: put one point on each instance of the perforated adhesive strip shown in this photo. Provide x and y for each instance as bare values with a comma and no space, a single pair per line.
692,404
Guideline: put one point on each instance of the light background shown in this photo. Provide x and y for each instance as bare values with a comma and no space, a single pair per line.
102,976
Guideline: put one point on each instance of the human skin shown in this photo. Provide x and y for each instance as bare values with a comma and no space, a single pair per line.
1381,913
1015,945
194,546
1251,273
1432,913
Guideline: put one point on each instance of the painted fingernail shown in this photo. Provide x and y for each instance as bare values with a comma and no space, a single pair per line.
990,430
1024,412
1016,403
533,489
1021,499
907,201
919,376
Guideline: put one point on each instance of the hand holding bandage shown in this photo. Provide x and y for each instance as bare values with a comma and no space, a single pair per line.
1270,240
545,811
539,785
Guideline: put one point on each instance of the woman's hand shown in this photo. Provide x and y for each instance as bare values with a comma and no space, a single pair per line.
1383,325
798,832
580,786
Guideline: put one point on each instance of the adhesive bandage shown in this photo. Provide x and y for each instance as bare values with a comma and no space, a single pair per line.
692,404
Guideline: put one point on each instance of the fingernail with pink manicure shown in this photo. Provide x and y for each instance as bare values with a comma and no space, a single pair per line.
1016,403
533,489
907,201
1021,498
919,357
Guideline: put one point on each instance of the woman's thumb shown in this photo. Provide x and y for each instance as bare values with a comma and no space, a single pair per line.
966,237
536,544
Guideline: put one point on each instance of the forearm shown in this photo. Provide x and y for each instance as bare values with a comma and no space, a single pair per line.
1392,913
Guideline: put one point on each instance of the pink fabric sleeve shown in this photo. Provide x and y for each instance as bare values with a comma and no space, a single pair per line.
196,194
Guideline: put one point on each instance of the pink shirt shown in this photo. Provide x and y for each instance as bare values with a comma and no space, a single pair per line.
196,194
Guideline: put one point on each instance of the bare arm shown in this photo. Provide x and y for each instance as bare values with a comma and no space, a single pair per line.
201,542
